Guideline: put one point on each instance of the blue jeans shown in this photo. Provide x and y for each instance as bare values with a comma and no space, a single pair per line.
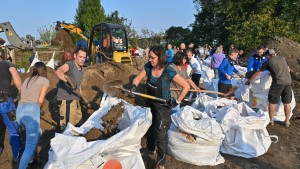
216,72
28,116
12,127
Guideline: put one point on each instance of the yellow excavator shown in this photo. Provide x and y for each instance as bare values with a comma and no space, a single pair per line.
106,42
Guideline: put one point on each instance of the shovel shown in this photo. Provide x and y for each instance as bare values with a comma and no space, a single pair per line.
89,105
110,87
210,91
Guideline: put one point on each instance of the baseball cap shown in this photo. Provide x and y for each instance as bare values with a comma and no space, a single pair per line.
270,52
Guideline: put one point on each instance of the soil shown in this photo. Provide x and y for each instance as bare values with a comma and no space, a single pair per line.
111,119
284,154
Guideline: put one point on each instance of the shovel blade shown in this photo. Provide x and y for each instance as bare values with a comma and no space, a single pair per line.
113,88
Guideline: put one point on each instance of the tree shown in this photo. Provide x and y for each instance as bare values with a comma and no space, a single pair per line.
88,14
246,23
177,35
47,34
115,18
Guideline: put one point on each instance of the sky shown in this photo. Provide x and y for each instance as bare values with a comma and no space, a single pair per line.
26,17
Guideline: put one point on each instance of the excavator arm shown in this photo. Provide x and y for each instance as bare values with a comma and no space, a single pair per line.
72,29
27,43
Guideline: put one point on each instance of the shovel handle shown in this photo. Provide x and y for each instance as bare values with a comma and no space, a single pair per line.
202,91
76,91
143,95
149,96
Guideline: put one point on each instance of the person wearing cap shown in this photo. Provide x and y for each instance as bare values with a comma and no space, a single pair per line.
281,84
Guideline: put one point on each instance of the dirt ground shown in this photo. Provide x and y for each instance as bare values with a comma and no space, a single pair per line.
284,154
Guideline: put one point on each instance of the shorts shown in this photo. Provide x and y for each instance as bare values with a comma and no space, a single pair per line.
224,88
285,91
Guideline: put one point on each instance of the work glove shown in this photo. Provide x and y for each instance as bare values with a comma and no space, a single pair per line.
172,102
132,89
42,112
247,82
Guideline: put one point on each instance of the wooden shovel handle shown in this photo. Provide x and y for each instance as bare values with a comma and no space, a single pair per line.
202,91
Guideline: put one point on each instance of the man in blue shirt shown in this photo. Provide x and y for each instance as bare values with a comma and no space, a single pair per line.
256,60
170,53
226,70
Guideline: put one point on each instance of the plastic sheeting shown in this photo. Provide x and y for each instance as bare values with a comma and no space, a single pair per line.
68,151
195,138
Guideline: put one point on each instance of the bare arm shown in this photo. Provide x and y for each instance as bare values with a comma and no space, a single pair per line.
193,85
184,84
60,72
42,95
17,79
139,77
257,74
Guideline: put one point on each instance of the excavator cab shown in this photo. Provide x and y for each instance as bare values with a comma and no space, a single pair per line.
113,44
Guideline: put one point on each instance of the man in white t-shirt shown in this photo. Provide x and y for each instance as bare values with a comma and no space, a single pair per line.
196,68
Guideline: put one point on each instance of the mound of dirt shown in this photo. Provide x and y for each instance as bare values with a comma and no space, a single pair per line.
94,78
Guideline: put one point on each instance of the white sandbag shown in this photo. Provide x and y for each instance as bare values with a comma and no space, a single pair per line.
68,151
36,59
259,91
51,62
245,131
195,138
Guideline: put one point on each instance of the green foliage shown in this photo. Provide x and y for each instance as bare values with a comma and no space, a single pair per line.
245,23
177,35
115,18
23,62
47,34
88,14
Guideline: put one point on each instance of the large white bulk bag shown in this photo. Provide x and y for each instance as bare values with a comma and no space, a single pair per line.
195,138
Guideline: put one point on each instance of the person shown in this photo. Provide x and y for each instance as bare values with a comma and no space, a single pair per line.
68,100
31,58
241,54
159,76
196,70
34,90
255,61
201,52
226,70
281,84
216,60
67,56
191,46
182,47
170,53
8,72
178,61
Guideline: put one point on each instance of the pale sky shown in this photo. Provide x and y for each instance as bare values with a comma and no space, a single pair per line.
28,16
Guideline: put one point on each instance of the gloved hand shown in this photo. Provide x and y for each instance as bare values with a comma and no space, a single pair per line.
247,82
42,112
172,102
132,89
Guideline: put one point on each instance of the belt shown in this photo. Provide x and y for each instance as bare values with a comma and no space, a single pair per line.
3,92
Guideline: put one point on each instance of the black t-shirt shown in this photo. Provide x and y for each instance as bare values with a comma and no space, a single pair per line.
5,77
279,70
